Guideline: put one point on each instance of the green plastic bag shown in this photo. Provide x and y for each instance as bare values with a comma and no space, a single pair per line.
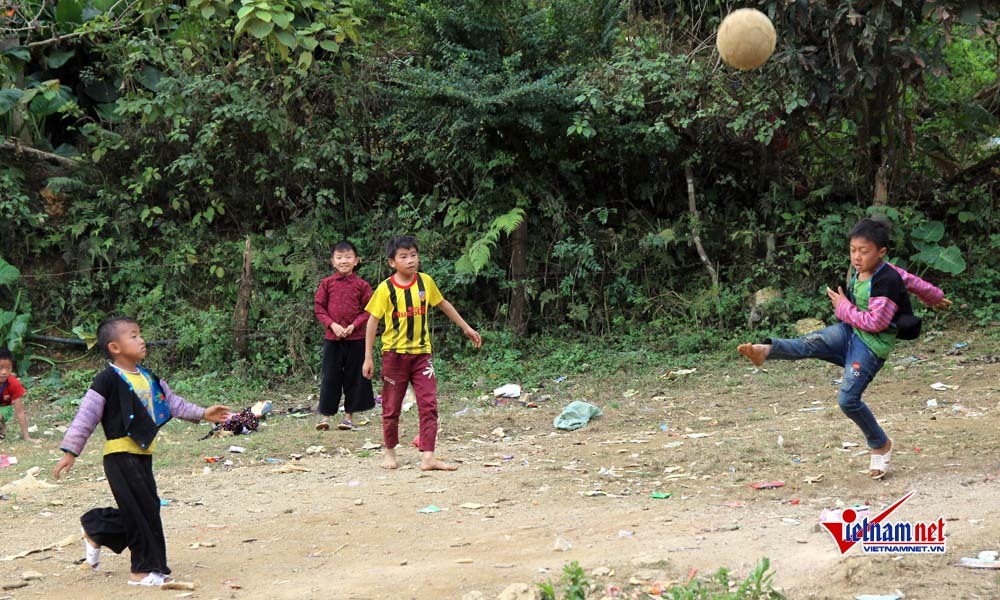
576,415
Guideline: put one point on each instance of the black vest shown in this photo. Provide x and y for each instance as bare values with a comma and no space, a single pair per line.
124,415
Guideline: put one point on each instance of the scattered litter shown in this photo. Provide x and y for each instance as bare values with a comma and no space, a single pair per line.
846,445
960,345
469,411
498,432
813,478
812,409
353,483
560,379
941,387
660,495
212,459
837,381
430,508
678,373
371,446
629,393
510,390
978,563
562,545
932,403
625,533
164,502
237,449
471,505
677,444
315,449
988,555
576,415
695,436
6,461
595,493
878,597
767,485
27,484
833,515
789,521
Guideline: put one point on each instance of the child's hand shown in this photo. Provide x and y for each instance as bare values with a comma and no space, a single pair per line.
64,465
368,369
337,330
836,297
474,336
944,304
216,414
349,330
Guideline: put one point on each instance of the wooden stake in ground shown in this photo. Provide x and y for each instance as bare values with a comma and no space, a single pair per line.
696,227
242,312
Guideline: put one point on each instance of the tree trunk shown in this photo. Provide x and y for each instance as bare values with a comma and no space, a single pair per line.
242,313
696,227
517,315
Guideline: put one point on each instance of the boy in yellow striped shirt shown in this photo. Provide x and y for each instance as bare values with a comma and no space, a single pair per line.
403,302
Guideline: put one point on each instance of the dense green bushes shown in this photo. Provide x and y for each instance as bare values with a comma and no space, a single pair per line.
567,129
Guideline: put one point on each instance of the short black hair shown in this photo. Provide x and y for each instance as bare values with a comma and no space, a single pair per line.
875,231
107,329
343,246
400,242
6,354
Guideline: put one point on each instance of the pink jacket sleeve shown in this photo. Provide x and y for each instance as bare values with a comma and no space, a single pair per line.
928,293
877,318
84,423
319,305
181,408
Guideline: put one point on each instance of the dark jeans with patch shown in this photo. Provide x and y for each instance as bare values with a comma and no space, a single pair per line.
838,344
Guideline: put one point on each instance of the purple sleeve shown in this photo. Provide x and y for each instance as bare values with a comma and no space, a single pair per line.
366,294
319,305
928,293
181,408
84,423
876,319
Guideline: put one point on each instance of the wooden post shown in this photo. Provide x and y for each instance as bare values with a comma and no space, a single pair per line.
517,317
696,227
242,314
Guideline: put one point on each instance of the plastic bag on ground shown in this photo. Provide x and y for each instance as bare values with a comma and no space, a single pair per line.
576,415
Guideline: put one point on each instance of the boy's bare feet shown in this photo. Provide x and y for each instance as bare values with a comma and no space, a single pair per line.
757,353
389,459
429,463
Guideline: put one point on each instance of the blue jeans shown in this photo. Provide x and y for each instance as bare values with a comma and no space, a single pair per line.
838,344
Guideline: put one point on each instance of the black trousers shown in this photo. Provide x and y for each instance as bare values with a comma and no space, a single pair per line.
135,524
342,362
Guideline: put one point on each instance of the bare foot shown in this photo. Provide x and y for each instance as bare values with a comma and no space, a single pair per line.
885,450
757,353
436,464
389,459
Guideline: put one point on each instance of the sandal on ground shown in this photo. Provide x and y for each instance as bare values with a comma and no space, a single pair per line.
323,425
880,463
345,425
153,579
92,555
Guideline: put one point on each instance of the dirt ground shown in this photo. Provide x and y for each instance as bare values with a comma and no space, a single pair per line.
334,525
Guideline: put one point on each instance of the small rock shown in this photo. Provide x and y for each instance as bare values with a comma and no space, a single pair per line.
602,572
404,562
31,575
518,591
359,502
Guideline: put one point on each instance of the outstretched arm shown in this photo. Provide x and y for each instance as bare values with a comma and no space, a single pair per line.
928,293
22,420
469,332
